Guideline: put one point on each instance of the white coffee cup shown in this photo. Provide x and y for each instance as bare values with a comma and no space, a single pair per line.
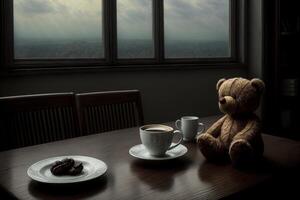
189,126
157,138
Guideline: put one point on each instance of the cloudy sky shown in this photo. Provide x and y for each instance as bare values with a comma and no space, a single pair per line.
134,19
184,19
58,19
196,19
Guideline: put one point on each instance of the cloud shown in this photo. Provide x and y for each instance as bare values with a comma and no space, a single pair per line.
134,19
197,19
32,7
58,19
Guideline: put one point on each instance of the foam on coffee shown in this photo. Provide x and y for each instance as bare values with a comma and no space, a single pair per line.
157,128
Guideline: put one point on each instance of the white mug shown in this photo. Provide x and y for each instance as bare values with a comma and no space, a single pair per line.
157,138
189,127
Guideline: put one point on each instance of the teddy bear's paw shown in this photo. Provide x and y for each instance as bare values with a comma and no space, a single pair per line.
241,153
204,138
211,148
206,141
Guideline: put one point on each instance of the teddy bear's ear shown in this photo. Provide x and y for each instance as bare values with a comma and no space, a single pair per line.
220,83
258,84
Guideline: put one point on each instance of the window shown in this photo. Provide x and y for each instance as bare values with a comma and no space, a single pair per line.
134,25
196,28
117,33
58,29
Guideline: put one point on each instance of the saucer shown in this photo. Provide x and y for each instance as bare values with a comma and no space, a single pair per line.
139,151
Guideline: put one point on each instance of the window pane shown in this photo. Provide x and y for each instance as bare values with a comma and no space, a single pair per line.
196,28
58,29
134,24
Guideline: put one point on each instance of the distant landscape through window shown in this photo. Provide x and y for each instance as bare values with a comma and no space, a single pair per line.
196,28
58,29
134,20
68,29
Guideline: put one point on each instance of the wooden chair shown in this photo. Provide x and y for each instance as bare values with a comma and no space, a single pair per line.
105,111
34,119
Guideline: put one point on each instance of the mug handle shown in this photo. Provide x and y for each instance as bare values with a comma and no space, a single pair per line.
201,128
178,124
179,142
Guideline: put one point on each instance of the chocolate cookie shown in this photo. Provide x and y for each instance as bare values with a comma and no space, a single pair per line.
62,167
76,169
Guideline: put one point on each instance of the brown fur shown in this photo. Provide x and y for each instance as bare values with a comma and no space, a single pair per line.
237,135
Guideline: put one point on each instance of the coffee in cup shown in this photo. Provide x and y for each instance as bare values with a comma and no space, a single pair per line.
157,138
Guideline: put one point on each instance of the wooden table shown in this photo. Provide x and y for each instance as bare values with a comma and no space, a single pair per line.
189,177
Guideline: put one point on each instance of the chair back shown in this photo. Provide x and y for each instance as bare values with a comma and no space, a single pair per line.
106,111
34,119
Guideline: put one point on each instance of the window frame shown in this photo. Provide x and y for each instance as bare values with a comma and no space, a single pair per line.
111,61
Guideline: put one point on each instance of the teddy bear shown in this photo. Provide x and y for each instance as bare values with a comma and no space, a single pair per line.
237,135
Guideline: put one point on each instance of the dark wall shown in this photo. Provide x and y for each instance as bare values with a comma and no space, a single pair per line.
255,42
166,94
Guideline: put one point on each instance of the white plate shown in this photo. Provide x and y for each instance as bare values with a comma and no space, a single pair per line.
92,168
139,151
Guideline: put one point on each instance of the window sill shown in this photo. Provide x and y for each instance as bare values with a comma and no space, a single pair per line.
29,70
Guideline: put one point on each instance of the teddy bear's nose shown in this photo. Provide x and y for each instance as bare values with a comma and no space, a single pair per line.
222,100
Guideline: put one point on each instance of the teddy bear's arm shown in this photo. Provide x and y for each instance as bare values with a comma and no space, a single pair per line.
251,130
215,129
210,145
250,137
